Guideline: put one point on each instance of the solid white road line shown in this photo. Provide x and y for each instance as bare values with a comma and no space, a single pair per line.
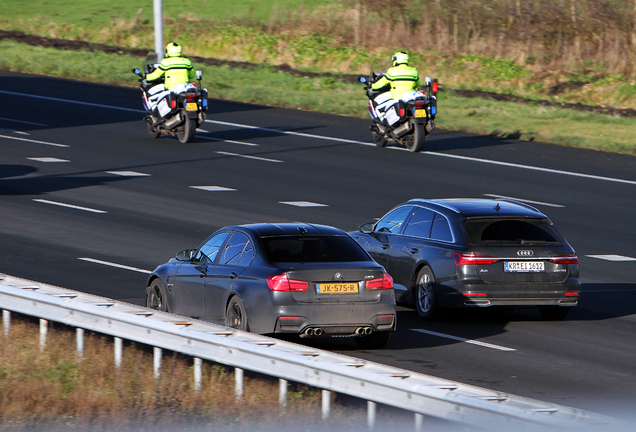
48,159
70,206
213,188
248,157
470,341
227,141
524,200
110,264
128,173
616,258
467,158
303,204
33,141
22,121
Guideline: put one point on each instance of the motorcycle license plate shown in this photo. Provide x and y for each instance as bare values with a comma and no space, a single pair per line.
191,106
420,113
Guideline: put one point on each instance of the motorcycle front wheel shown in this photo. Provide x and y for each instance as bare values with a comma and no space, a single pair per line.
419,136
154,133
378,139
186,135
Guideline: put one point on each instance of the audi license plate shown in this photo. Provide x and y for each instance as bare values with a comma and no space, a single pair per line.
191,106
524,266
339,288
420,113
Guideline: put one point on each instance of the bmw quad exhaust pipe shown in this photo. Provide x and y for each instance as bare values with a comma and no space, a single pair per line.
362,331
312,332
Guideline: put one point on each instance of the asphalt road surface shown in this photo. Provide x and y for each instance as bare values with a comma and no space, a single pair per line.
90,202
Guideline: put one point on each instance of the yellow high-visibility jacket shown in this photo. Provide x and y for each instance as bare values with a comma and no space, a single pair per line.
177,70
401,77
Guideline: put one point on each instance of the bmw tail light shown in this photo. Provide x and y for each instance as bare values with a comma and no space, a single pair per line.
474,294
385,282
435,87
283,283
570,258
472,259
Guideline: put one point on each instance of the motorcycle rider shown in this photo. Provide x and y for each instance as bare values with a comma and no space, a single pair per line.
403,79
176,70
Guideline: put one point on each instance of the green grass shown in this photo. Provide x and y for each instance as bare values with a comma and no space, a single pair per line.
265,85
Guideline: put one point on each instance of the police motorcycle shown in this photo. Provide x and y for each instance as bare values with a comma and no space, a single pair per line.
178,112
406,121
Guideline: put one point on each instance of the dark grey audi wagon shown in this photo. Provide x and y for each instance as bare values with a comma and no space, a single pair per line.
452,253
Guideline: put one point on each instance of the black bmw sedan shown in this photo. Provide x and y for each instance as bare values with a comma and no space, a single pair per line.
452,253
305,279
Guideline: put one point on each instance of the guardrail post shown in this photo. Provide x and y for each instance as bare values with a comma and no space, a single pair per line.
118,352
419,421
282,393
326,404
6,321
44,328
157,361
197,373
79,337
238,387
371,415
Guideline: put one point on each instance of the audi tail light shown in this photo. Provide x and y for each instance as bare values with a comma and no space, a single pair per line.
570,258
283,283
385,282
473,258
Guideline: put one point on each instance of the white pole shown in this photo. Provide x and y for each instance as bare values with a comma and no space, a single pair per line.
6,321
118,352
419,421
44,328
326,404
197,373
238,377
282,394
79,336
158,14
371,414
157,361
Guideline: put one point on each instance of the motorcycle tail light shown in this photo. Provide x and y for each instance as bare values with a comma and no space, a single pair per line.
434,88
401,112
173,104
420,105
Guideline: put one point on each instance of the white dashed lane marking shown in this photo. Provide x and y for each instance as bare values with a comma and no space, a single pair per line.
110,264
460,339
248,157
303,204
88,209
128,173
47,159
33,141
615,258
213,188
524,200
22,121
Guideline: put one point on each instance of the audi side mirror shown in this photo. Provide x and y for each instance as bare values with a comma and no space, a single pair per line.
366,228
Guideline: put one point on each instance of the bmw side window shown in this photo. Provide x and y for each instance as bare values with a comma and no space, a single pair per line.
248,255
392,222
208,252
234,249
441,229
421,223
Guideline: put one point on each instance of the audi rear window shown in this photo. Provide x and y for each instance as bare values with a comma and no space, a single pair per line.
510,231
313,249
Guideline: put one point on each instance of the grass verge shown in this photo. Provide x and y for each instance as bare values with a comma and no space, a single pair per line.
265,85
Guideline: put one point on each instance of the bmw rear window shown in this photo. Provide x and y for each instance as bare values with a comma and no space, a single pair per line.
313,249
483,231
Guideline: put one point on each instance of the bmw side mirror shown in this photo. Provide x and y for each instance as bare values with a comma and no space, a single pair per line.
186,255
136,71
366,228
199,75
362,79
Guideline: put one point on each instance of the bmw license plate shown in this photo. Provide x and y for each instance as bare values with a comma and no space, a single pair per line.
191,106
524,266
420,113
339,288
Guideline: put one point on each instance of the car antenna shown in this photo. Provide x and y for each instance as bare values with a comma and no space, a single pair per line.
497,207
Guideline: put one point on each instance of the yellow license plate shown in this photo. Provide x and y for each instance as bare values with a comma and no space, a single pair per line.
420,113
339,288
191,106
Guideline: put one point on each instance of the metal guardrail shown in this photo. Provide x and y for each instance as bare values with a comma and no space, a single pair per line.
376,383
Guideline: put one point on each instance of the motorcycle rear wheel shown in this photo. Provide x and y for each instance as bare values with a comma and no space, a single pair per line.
419,136
154,133
186,135
378,139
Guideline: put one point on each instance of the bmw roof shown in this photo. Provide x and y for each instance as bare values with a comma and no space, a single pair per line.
471,207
